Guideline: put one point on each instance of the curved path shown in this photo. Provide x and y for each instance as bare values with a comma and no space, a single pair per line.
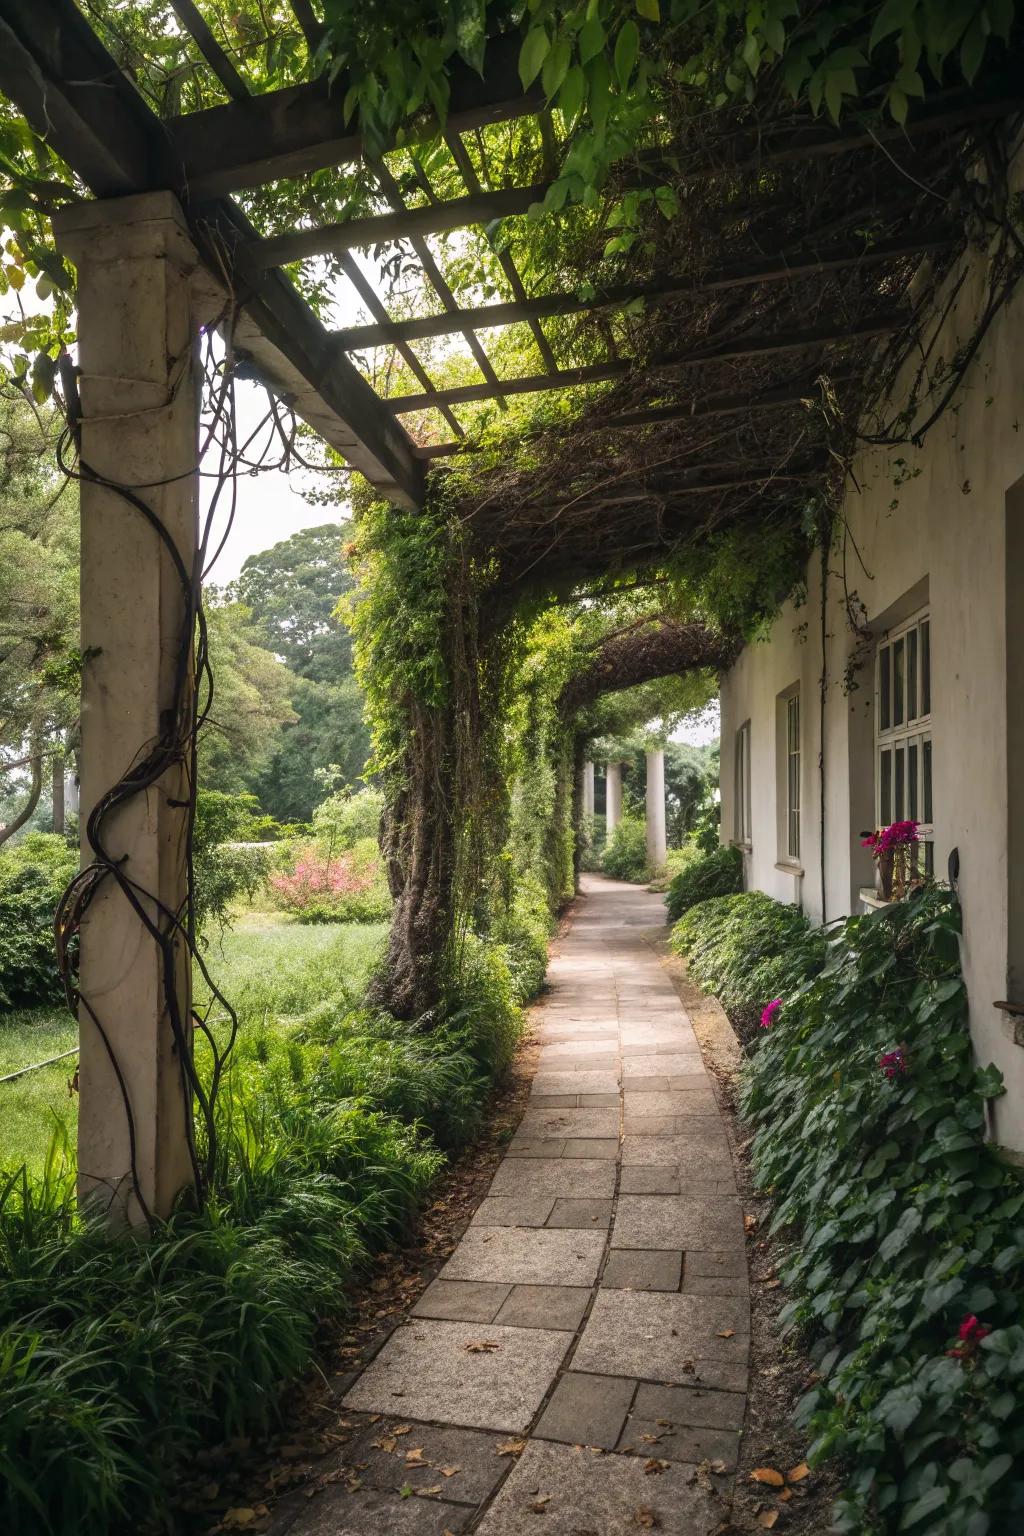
596,1308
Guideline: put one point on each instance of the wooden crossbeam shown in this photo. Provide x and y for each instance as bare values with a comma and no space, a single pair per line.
694,408
402,224
725,351
57,72
300,128
760,269
195,23
695,482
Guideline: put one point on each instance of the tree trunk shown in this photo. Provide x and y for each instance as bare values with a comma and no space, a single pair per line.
58,795
35,790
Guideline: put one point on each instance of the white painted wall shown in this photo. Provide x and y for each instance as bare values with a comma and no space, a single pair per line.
939,537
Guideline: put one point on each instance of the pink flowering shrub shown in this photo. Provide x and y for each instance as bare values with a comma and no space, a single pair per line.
344,887
893,1063
970,1334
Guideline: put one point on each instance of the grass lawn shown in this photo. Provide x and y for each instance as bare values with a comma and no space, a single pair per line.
269,967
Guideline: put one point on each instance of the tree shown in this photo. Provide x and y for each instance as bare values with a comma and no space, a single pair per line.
39,638
250,702
293,591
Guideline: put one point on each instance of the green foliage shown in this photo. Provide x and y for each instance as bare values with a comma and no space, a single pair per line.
903,1223
712,874
292,591
33,873
745,948
223,874
344,818
250,703
625,854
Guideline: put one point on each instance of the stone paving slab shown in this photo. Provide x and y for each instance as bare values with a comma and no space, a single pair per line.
572,1178
463,1301
478,1375
678,1221
588,1215
580,1493
587,1410
648,1437
527,1256
660,1066
470,1458
656,1336
575,1082
337,1512
545,1306
695,1407
570,1122
696,1101
511,1211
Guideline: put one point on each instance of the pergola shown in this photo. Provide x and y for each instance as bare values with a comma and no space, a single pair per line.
162,250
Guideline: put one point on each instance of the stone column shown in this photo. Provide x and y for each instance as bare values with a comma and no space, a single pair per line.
612,796
58,794
139,404
588,789
656,846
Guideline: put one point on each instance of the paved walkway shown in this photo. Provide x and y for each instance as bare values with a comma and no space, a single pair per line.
579,1366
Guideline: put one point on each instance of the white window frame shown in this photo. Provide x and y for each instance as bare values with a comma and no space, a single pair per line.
741,787
904,759
792,745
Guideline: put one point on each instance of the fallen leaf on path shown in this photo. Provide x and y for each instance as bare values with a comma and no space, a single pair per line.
718,1465
426,1493
540,1506
749,1223
767,1518
647,1518
767,1475
785,1495
653,1466
449,1471
238,1519
727,1333
387,1443
415,1458
798,1473
481,1346
402,1429
510,1448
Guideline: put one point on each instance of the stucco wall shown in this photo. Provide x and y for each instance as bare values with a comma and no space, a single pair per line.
935,533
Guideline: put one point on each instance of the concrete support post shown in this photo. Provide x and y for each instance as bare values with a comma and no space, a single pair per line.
612,796
656,845
139,403
588,789
58,794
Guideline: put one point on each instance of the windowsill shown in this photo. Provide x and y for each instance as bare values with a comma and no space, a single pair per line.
743,847
790,867
870,897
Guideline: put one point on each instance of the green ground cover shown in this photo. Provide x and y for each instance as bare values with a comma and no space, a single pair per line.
269,966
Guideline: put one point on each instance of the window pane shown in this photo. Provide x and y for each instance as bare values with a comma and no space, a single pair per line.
899,775
884,711
929,859
897,682
912,675
926,668
884,788
926,752
913,795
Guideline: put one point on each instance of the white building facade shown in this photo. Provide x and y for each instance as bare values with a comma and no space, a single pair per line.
915,709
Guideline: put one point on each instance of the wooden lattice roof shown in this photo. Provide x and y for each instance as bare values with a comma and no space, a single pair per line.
741,315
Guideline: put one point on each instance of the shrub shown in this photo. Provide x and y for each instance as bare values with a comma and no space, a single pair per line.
523,931
222,873
345,819
625,857
747,949
345,887
33,873
719,873
906,1266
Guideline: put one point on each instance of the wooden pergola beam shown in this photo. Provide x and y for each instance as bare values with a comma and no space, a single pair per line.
59,74
741,347
196,25
403,224
784,267
300,128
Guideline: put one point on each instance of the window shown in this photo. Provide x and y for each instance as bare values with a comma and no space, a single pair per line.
741,786
903,734
793,776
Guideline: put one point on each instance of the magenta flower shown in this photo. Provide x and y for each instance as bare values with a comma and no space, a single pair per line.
898,834
970,1333
893,1063
768,1013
